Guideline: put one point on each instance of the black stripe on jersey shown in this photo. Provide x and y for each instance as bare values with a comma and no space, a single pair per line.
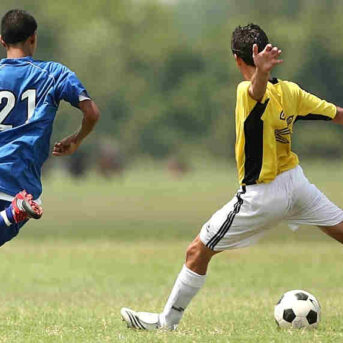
312,117
253,149
228,222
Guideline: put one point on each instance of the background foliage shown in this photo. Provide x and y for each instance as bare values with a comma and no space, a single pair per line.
163,75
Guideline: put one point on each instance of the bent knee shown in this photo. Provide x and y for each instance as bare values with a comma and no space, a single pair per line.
198,251
192,251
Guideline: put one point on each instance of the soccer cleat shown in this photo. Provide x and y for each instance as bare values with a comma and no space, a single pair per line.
143,320
24,207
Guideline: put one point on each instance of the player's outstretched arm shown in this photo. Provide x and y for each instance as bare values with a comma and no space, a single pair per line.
264,61
339,116
70,144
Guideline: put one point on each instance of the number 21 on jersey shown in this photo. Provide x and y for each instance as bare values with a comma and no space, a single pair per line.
29,95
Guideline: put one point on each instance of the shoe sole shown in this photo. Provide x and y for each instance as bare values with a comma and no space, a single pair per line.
30,212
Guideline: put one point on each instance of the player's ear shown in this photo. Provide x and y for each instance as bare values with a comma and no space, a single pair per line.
33,38
3,42
238,60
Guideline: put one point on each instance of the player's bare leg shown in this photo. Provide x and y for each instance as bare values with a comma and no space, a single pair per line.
198,256
187,285
335,231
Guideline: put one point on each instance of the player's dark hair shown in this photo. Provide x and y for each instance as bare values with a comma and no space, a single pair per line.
17,26
243,39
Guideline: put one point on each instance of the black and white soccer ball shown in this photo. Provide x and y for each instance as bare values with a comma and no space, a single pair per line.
297,309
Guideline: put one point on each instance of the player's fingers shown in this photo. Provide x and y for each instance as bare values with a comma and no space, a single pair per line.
274,51
59,150
254,49
268,47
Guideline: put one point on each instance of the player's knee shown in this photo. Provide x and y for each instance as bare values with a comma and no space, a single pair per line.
198,253
192,251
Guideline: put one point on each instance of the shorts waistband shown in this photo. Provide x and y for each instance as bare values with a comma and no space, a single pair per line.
286,174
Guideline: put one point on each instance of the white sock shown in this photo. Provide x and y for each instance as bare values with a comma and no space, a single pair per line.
186,286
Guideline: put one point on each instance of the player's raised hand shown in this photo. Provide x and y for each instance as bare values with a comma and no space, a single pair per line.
66,146
266,59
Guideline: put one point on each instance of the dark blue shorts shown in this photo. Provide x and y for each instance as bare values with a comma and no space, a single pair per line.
8,232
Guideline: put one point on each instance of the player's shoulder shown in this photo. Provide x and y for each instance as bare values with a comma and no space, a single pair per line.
243,88
54,69
289,84
290,88
243,85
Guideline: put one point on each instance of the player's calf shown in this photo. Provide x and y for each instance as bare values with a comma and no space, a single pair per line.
335,231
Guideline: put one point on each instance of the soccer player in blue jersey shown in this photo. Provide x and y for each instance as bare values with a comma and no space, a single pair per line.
30,93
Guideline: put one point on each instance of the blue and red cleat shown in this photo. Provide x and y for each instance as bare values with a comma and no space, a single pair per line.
24,207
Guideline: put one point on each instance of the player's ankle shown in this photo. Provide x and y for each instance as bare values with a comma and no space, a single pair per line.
164,324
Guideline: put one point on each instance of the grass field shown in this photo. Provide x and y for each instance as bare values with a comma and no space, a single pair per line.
106,244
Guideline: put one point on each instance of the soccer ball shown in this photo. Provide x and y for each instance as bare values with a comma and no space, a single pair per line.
297,309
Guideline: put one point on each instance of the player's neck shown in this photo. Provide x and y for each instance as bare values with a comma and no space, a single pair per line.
247,72
16,52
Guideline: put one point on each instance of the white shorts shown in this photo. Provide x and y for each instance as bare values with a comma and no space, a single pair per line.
254,209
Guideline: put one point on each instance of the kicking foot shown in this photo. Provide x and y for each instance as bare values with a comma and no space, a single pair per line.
23,207
143,320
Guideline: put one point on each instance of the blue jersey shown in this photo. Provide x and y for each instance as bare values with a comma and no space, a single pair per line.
30,93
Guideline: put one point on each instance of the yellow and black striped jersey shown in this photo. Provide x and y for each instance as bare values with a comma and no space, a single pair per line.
264,129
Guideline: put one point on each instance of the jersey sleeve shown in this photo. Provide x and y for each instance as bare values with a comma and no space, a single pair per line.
69,88
310,107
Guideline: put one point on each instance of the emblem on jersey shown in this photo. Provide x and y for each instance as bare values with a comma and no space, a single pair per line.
281,133
290,120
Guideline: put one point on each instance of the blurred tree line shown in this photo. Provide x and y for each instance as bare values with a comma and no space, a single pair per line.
163,74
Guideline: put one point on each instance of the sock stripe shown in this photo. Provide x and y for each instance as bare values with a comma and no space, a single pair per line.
5,218
179,309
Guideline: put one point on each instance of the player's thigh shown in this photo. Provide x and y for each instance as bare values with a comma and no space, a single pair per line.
312,207
244,219
335,231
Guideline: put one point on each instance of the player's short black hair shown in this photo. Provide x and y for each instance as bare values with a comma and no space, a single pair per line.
17,26
243,39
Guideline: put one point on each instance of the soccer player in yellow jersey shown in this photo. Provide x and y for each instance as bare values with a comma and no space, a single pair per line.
272,184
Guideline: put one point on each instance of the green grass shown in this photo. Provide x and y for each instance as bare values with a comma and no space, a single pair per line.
106,244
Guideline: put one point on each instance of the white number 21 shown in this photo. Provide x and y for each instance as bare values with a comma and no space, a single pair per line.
29,94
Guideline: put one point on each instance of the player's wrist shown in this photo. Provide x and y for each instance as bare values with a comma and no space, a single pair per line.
263,71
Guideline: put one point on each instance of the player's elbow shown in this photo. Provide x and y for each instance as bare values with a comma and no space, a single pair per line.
90,111
339,116
94,115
